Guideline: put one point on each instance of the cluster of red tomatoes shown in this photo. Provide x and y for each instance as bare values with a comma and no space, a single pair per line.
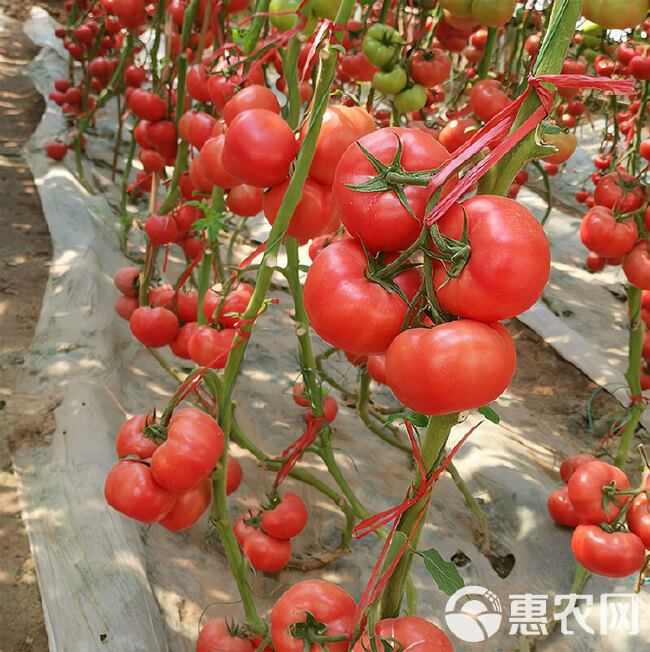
315,608
589,502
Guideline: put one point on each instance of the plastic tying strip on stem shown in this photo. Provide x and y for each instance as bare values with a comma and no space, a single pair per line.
499,128
373,523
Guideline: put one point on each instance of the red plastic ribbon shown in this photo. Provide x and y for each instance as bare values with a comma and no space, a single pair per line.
298,447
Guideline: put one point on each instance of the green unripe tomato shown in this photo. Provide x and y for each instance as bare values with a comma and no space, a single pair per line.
411,99
391,81
381,45
590,54
458,8
326,8
493,13
286,22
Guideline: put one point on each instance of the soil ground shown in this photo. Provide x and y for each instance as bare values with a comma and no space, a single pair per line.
554,389
24,254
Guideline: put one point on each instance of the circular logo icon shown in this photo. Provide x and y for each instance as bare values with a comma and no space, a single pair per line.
476,618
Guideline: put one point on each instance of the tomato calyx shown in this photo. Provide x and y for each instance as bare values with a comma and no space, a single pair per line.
156,432
379,272
454,252
313,631
392,177
387,645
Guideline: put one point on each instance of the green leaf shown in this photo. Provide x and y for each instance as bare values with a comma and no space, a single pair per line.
444,573
490,414
419,420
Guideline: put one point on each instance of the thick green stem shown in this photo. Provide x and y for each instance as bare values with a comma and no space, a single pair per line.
413,519
290,69
484,65
250,40
564,16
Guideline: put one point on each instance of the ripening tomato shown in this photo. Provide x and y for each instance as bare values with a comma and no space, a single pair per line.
412,633
603,235
326,602
259,147
378,218
196,83
126,280
612,554
638,517
131,439
509,263
316,213
585,491
456,133
430,68
234,475
193,446
300,395
188,507
347,309
356,67
330,409
126,306
210,348
561,509
493,13
615,14
287,519
572,462
564,143
56,150
132,490
619,190
212,166
181,341
266,553
487,99
253,97
154,327
460,365
245,200
636,266
147,105
376,367
161,229
342,126
215,636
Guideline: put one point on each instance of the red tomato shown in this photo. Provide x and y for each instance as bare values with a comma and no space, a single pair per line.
619,190
126,280
253,97
378,219
342,126
456,133
430,69
638,517
413,633
187,305
644,149
612,554
154,327
509,263
212,165
259,147
221,89
147,105
161,229
460,365
265,553
193,447
637,266
234,305
181,341
561,509
56,150
376,367
131,439
126,306
287,519
316,213
603,235
188,507
241,529
487,99
356,67
210,348
330,409
349,311
564,143
132,490
328,603
234,475
215,637
196,83
572,462
585,491
245,200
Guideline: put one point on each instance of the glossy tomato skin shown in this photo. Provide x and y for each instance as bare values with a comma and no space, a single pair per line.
132,490
636,266
456,133
259,147
288,518
459,365
610,193
181,341
564,143
603,235
154,327
585,491
316,213
431,71
234,475
487,99
376,367
266,553
209,347
234,305
349,311
245,200
638,517
253,97
211,165
615,14
378,219
215,637
188,507
509,264
612,554
561,509
342,126
327,602
131,440
194,445
572,462
415,635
